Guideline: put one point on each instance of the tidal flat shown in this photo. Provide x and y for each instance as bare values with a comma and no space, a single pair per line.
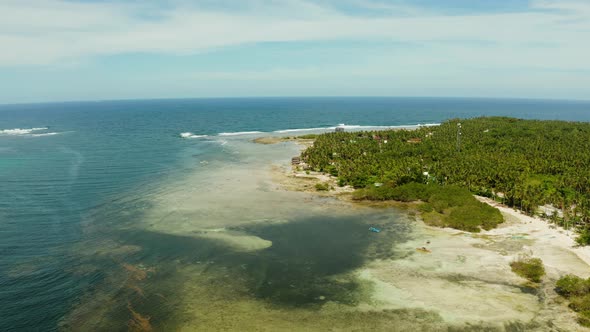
228,248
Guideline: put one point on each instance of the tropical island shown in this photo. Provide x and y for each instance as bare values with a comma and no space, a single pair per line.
539,168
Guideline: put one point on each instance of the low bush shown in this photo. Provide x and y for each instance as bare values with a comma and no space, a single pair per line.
584,318
433,218
322,186
447,206
580,303
308,136
446,197
577,290
529,268
571,285
473,216
425,208
583,238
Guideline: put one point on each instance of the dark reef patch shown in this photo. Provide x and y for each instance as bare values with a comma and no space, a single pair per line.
308,265
309,259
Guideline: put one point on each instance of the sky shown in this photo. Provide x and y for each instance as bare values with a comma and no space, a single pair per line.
61,50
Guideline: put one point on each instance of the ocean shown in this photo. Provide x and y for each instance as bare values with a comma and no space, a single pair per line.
114,211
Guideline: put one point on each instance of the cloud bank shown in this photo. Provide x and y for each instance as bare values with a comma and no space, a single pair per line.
550,34
105,49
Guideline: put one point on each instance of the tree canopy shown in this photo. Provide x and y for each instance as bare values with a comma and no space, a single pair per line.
525,163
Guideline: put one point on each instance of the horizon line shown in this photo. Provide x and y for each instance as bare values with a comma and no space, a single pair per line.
291,97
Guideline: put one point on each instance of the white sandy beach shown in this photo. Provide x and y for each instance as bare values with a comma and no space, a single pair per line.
549,240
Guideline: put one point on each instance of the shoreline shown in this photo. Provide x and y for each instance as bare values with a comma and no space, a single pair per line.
223,256
542,231
482,260
535,227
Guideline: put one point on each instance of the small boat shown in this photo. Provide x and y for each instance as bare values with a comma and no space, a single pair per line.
374,229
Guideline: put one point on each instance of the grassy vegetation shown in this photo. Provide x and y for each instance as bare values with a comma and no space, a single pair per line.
529,268
532,163
308,136
444,206
571,285
577,290
322,186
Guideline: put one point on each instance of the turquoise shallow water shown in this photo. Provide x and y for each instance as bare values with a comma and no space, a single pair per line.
72,172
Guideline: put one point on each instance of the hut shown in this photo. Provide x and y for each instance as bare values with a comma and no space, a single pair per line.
296,160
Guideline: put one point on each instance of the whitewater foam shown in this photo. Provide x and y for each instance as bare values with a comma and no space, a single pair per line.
356,127
21,131
238,133
191,135
45,134
284,131
330,128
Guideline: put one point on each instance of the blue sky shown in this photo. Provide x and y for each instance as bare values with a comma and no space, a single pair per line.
56,50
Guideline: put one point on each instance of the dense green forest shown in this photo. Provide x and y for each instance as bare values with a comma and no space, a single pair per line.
524,163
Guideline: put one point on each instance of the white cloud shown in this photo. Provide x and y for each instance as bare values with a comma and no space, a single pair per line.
46,32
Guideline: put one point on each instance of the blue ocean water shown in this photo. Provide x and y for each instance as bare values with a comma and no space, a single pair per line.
66,166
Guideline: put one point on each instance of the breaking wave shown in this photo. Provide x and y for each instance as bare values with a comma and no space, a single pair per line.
191,135
238,133
21,131
356,127
317,129
45,134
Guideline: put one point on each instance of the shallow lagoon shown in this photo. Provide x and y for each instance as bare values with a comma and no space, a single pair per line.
254,241
226,248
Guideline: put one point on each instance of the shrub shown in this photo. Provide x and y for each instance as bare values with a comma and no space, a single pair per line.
443,198
425,208
444,205
584,318
433,218
571,285
491,217
583,238
409,192
580,303
464,218
529,268
474,215
578,292
308,136
322,186
332,170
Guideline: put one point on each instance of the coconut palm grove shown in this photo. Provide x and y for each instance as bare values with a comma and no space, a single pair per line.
526,164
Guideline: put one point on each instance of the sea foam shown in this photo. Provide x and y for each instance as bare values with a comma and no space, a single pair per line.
284,131
238,133
191,135
45,134
356,127
21,131
330,128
